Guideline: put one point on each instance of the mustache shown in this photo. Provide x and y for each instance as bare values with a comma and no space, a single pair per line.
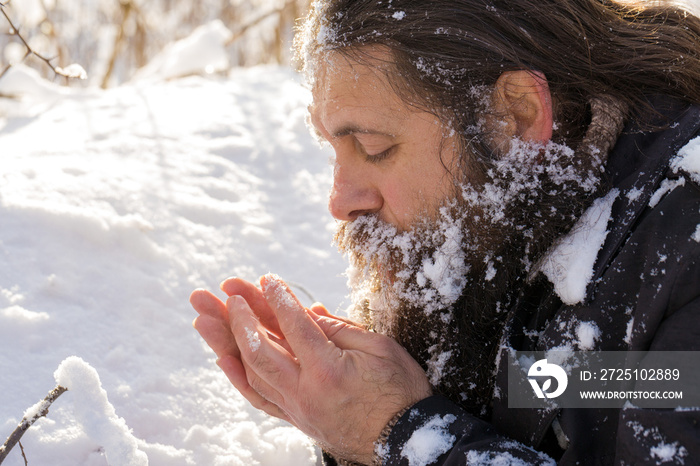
425,265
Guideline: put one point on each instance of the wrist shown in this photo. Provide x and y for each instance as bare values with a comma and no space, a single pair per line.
379,452
380,445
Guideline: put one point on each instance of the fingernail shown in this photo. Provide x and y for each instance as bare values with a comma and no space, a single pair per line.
221,285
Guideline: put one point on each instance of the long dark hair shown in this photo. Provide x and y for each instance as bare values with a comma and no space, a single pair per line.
442,50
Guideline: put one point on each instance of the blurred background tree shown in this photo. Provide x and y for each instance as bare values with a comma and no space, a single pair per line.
113,39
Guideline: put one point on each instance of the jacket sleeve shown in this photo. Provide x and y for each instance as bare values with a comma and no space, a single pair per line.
436,431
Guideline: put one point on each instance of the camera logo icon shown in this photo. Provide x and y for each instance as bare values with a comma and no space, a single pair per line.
544,371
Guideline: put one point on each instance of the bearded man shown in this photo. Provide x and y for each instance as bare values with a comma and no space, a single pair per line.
475,140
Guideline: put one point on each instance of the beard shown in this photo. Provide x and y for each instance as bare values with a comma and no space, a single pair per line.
443,288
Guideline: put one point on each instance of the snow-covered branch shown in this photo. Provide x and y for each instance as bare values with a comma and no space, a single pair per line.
71,71
40,409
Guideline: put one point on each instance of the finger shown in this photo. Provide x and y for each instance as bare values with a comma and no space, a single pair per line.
231,306
236,374
234,370
274,365
206,303
344,334
256,300
320,310
349,336
305,337
217,334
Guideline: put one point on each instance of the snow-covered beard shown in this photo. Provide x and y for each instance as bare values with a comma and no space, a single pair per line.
442,289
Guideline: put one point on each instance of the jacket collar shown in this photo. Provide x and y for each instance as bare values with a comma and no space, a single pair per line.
636,166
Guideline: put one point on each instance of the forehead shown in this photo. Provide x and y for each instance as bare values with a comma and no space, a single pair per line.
352,91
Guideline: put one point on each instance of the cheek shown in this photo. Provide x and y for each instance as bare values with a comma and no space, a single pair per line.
399,200
410,196
418,183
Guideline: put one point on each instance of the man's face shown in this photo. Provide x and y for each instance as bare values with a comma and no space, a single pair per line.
391,159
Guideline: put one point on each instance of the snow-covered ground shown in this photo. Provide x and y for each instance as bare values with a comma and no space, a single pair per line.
114,206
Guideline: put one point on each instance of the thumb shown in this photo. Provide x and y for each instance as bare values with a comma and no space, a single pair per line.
345,334
320,310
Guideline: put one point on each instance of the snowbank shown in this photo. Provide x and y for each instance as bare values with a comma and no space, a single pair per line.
96,414
115,206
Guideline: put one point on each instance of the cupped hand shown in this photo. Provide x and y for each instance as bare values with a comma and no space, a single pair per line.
337,382
214,326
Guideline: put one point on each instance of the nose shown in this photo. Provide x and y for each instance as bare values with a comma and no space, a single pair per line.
353,194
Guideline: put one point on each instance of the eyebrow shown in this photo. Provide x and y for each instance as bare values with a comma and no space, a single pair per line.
355,129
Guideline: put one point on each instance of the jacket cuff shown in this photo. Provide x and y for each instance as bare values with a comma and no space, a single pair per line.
428,430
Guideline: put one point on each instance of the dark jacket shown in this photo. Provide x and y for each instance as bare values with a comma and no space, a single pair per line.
648,269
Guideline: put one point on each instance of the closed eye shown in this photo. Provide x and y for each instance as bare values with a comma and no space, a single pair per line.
380,156
375,148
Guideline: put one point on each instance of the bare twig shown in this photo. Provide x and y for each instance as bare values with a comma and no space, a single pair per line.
243,29
41,410
14,31
48,27
24,457
303,290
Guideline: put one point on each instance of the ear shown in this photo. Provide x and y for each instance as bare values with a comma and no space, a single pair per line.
522,97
